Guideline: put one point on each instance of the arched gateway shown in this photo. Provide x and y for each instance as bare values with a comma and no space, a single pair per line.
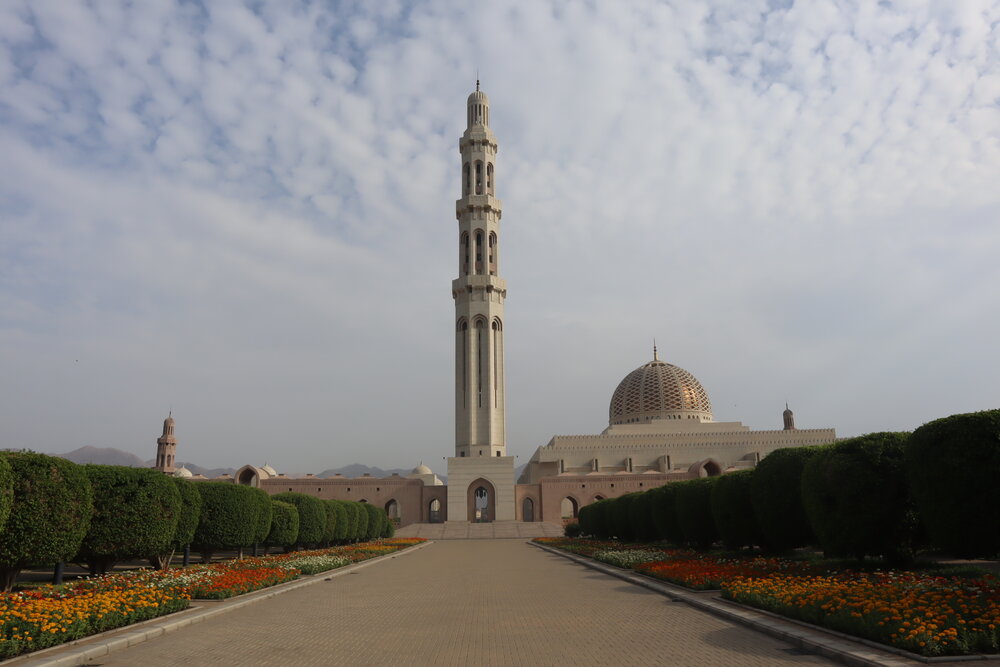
482,501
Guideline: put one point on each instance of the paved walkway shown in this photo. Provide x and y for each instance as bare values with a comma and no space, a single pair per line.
464,530
466,602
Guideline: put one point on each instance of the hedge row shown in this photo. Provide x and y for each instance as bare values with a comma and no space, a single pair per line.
881,494
53,510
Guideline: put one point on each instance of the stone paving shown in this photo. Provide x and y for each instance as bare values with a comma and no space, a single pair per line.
464,530
466,602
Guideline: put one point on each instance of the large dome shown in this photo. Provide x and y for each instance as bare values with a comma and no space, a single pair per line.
658,390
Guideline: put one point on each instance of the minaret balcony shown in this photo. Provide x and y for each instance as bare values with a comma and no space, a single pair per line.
472,202
479,282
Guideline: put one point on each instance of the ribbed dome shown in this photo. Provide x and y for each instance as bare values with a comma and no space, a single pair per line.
658,390
422,470
183,472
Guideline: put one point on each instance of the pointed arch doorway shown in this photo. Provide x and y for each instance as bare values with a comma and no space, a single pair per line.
481,499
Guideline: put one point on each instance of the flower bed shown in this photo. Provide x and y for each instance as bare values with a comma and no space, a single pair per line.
47,616
628,558
930,615
708,572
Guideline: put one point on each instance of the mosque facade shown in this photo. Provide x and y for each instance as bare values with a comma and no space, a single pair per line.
660,423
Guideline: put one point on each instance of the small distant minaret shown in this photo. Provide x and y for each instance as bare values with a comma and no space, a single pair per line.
789,419
166,447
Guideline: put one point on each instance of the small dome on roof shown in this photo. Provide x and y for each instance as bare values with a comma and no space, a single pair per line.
269,470
183,472
422,470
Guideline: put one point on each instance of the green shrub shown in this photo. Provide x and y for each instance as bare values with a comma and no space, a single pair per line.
621,517
572,529
776,491
187,522
732,510
265,508
135,515
641,515
360,521
854,493
664,510
390,530
312,516
376,515
330,527
53,502
693,503
343,523
284,525
6,491
229,517
953,467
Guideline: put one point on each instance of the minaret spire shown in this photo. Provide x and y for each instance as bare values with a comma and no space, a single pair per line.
655,357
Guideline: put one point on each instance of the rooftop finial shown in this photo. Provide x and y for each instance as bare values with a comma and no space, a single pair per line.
655,358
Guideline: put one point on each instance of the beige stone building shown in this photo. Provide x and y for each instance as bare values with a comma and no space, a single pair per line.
660,422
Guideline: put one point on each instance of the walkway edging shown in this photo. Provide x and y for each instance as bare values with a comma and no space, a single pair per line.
830,644
93,647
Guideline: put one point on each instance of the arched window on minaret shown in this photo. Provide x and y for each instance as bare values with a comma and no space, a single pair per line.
479,177
489,178
497,332
480,360
462,330
479,251
493,253
466,179
465,253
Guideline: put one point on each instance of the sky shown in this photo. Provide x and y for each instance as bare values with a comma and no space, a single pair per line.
243,212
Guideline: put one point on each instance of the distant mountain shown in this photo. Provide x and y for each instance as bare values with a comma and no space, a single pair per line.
357,470
105,456
207,472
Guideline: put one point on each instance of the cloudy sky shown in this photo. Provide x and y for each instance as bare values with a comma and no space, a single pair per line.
244,212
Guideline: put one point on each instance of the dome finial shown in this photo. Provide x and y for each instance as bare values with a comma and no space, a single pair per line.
655,358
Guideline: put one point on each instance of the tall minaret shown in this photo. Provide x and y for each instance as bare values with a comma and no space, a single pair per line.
166,447
479,293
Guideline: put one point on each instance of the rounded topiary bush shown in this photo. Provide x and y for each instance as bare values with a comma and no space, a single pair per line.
312,516
776,491
693,503
265,508
135,515
953,467
732,510
572,529
855,495
376,515
585,519
389,530
330,527
641,515
664,510
360,521
53,502
187,522
284,525
229,517
594,519
342,526
6,491
621,517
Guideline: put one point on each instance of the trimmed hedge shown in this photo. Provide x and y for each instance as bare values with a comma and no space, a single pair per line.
732,510
229,517
284,525
587,517
641,516
312,516
854,493
376,515
265,509
6,490
620,516
664,510
694,511
343,522
330,526
361,521
136,511
776,491
953,469
52,505
187,521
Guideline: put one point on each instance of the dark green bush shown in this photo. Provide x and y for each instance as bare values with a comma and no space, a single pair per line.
953,469
732,510
572,529
312,516
389,530
330,527
284,525
693,503
53,502
586,519
135,515
360,521
621,517
664,510
641,515
265,508
187,522
854,493
343,522
376,517
776,490
6,491
229,517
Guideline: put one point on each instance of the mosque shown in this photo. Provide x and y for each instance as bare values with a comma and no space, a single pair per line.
660,423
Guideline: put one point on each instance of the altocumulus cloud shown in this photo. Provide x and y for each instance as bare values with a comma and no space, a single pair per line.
244,211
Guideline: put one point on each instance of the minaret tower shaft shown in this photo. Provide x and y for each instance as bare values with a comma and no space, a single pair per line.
479,293
166,447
